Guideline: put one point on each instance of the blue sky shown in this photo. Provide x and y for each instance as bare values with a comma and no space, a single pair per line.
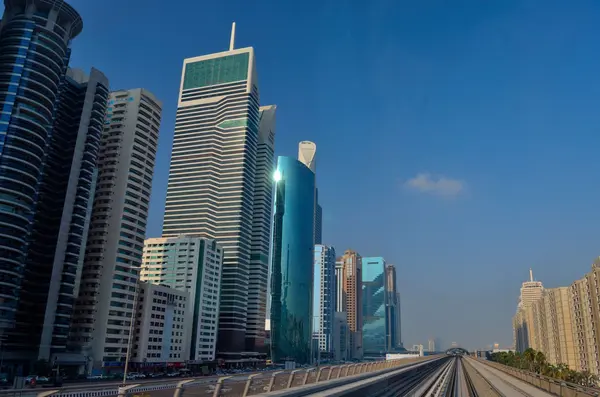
456,139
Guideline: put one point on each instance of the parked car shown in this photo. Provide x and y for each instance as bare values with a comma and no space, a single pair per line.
36,380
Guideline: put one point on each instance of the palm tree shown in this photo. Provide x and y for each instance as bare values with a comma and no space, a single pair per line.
540,362
529,356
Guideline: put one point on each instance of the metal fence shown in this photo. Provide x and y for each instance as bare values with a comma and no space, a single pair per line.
551,385
235,385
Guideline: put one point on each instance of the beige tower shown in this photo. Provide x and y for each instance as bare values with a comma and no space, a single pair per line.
350,265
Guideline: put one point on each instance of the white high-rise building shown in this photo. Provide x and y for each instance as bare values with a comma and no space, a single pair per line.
193,265
113,255
163,326
221,161
324,299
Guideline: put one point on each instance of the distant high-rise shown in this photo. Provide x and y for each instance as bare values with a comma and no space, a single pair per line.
35,39
391,311
292,262
349,299
324,298
61,221
374,326
398,317
307,155
193,265
115,243
318,220
431,346
219,185
523,330
261,232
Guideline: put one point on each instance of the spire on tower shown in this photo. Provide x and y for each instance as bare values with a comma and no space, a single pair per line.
232,40
530,275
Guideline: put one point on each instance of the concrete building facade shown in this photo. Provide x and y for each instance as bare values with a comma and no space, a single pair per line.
192,265
162,327
113,256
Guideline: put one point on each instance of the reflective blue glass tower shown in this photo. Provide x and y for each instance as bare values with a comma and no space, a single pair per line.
374,309
34,51
292,262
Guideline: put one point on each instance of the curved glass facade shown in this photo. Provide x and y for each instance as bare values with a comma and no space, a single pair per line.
292,262
34,52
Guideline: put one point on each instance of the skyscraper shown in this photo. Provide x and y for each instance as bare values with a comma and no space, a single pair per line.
318,220
193,265
220,161
29,31
324,299
374,326
293,262
399,343
115,243
349,299
307,155
261,232
523,330
61,221
391,311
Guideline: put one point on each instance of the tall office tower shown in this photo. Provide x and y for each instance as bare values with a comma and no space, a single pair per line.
349,276
261,232
293,262
324,299
115,244
390,307
30,30
61,221
374,325
213,179
523,330
318,220
307,155
193,265
399,343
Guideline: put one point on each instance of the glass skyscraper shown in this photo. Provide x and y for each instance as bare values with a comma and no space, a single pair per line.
292,262
220,185
61,221
373,305
34,52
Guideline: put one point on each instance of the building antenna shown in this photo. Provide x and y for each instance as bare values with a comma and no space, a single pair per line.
232,41
530,275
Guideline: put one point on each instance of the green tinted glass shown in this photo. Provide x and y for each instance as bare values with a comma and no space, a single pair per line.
233,123
216,71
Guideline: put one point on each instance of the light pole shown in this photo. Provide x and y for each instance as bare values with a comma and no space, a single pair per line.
135,296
